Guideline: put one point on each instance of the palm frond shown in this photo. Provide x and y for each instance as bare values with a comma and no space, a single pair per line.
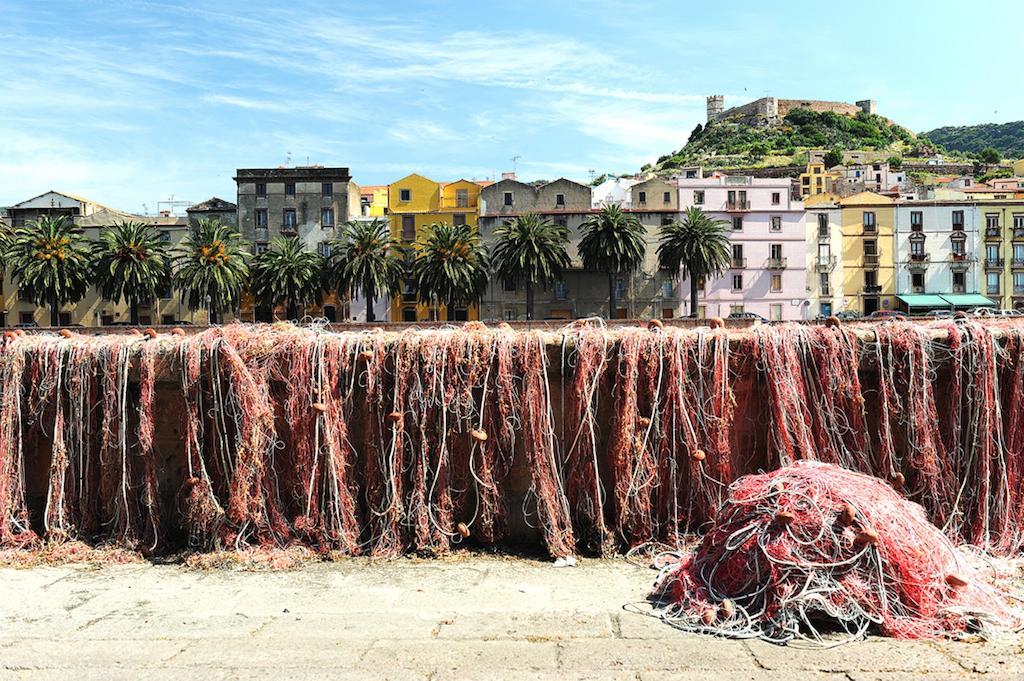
49,261
212,267
450,266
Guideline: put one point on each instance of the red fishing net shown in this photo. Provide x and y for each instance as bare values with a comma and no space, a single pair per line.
811,549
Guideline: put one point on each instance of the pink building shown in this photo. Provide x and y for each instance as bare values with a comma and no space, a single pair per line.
767,273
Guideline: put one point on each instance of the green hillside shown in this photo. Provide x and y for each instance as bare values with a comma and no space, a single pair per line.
1006,138
728,143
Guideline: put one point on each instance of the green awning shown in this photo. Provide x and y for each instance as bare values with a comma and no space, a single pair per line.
923,301
959,300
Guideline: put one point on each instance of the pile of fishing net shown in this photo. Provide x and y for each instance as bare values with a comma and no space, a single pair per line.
812,551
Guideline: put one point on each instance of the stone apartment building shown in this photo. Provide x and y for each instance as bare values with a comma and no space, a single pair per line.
767,273
93,310
213,208
655,202
308,202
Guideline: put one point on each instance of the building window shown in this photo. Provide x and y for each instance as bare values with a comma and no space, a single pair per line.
917,248
698,197
917,282
776,198
261,189
959,246
508,285
459,219
666,197
737,223
870,278
823,282
405,195
667,289
409,314
991,220
508,198
992,282
462,198
822,225
992,252
641,198
561,221
870,247
261,218
869,221
916,221
324,249
737,256
327,218
408,228
737,282
1018,221
561,290
620,288
261,247
775,312
289,222
1018,281
776,283
960,281
775,251
165,237
327,189
776,223
736,309
26,317
560,200
289,189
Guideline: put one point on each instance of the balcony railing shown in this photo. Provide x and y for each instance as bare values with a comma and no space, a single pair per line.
776,263
738,204
1017,263
871,259
872,289
994,262
738,263
993,232
290,230
1018,233
825,262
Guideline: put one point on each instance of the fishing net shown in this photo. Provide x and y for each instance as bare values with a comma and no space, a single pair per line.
813,549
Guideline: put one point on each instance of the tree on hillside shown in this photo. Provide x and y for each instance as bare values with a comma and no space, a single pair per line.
530,250
211,268
287,274
990,155
450,267
833,157
696,247
131,263
613,243
366,261
49,262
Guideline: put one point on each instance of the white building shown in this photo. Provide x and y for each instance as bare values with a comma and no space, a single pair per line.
824,251
613,192
936,248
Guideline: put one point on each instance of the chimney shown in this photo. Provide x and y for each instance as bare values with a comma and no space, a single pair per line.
508,176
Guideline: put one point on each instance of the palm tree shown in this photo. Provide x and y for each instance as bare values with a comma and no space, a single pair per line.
530,249
696,247
613,243
450,266
212,268
131,262
287,274
366,261
49,260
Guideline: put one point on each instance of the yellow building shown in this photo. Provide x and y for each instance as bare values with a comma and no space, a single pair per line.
1002,228
373,200
868,243
413,204
816,180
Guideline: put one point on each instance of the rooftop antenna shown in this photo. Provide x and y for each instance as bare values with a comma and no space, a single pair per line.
145,209
515,160
287,158
592,173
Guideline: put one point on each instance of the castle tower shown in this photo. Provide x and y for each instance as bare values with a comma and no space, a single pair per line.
868,106
716,105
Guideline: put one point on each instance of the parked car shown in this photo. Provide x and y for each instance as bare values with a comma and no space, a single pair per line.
748,316
26,325
887,314
940,314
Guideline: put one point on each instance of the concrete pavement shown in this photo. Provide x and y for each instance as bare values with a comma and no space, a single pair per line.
456,618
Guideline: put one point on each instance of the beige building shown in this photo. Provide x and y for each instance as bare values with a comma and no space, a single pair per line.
93,310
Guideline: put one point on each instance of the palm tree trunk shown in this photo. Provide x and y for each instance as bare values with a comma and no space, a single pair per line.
292,311
529,301
54,310
449,313
693,296
370,315
211,315
611,296
133,307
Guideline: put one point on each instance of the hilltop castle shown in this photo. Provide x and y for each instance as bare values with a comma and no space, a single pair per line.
769,110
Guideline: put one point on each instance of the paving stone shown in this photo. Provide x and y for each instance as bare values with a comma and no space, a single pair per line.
873,655
462,656
68,656
988,658
352,625
293,654
688,652
530,627
125,627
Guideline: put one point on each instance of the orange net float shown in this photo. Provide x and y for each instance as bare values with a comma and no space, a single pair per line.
956,581
66,333
366,355
716,323
178,331
319,407
463,529
478,435
134,332
698,455
151,332
395,417
727,609
848,515
866,537
833,322
655,324
899,481
784,518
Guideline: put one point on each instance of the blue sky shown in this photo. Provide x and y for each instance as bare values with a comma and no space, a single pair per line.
129,102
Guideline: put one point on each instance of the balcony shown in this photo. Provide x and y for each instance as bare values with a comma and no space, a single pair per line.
738,264
737,205
872,289
959,262
872,259
776,264
993,233
825,263
1018,233
993,263
918,261
871,229
1017,263
289,230
823,234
